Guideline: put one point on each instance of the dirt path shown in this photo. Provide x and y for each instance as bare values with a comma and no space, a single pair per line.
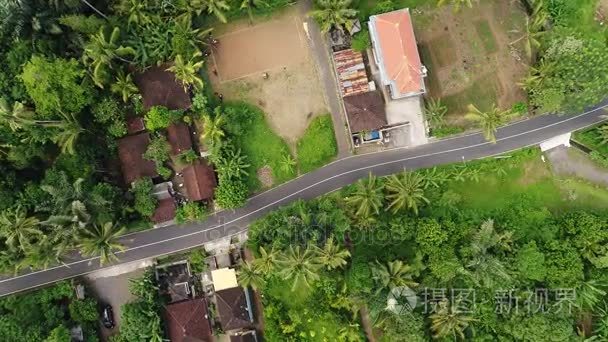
572,162
367,324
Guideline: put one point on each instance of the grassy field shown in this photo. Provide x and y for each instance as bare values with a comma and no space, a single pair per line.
487,37
482,93
591,138
318,144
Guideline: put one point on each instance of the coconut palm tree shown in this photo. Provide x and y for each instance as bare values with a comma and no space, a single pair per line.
392,274
124,86
16,116
249,275
18,229
484,267
217,8
488,121
405,191
267,261
102,241
42,255
100,52
334,14
249,5
457,4
187,71
448,322
212,127
67,131
434,111
331,256
367,197
533,30
537,75
299,266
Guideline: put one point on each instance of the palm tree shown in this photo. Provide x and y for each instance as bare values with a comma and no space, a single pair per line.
249,275
537,75
367,197
299,265
101,50
232,164
67,133
17,116
134,10
124,86
187,72
484,267
489,121
78,217
288,163
331,256
334,14
456,3
18,229
249,5
532,34
267,261
212,127
43,254
434,111
406,191
102,241
217,8
447,321
392,274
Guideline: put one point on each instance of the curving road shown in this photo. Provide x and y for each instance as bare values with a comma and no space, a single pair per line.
161,241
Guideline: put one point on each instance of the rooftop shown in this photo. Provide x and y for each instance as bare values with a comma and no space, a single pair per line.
365,111
351,72
158,87
165,210
130,151
188,321
224,278
178,135
396,53
234,308
199,179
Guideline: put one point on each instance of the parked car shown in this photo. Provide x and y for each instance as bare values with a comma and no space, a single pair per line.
107,317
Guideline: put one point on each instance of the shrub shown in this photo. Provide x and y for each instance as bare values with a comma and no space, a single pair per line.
197,260
145,202
191,212
361,41
117,129
231,193
159,117
188,157
83,311
158,151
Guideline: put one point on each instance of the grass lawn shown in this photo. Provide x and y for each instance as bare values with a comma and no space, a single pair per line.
591,138
481,93
318,144
442,48
255,138
487,37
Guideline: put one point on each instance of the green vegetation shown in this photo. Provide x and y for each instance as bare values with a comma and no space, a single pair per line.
334,14
487,37
47,314
487,225
596,139
145,202
191,212
318,144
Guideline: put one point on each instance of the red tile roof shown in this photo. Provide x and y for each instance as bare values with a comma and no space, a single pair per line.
398,51
187,321
179,138
133,164
165,210
199,179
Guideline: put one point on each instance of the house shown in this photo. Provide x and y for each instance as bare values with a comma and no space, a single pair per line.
130,152
244,336
234,308
159,87
165,211
188,321
175,281
396,54
365,112
199,180
178,136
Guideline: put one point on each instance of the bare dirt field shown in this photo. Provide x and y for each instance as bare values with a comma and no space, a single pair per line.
292,95
473,56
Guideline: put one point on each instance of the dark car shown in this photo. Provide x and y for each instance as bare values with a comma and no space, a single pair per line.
107,317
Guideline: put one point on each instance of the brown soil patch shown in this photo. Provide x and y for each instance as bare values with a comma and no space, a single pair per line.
265,176
292,95
601,14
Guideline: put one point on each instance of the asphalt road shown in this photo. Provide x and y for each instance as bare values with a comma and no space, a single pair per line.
156,242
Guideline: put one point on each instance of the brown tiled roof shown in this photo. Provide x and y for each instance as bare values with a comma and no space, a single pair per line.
158,87
351,72
199,179
135,124
365,111
233,309
398,51
165,210
133,164
178,136
187,322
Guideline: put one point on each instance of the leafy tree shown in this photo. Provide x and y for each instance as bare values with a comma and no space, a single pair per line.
331,255
83,311
405,191
145,202
191,212
231,193
213,127
102,241
124,86
101,51
188,71
18,229
449,322
232,165
55,85
82,23
188,157
336,14
530,262
158,150
392,274
59,334
159,117
564,265
298,265
429,236
488,121
106,110
249,275
145,287
140,322
367,197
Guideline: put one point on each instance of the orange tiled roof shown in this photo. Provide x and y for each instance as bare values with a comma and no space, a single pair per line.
399,53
